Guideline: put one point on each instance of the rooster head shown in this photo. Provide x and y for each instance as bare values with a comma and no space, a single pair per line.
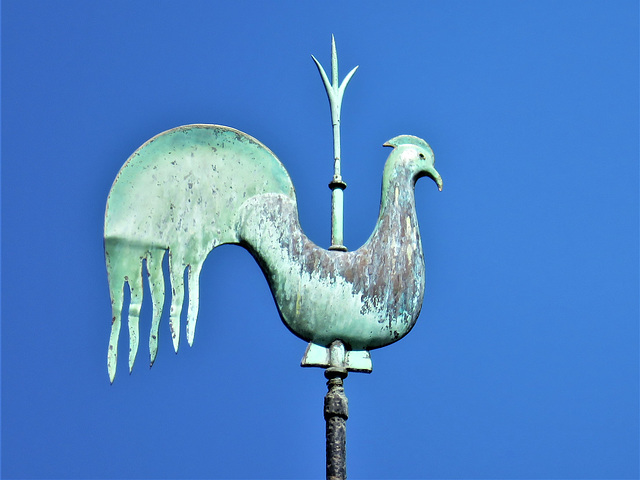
416,152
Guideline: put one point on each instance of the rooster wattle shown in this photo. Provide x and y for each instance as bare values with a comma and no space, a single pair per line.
195,187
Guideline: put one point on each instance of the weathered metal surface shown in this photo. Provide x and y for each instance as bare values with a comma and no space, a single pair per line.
182,191
335,92
367,298
195,187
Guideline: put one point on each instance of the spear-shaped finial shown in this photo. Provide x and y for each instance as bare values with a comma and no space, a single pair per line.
335,91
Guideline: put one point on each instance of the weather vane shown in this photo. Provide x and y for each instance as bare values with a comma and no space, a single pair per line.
195,187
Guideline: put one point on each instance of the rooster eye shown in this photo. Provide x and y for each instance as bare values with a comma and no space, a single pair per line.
422,156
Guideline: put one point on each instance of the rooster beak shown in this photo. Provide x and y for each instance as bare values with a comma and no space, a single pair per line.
436,178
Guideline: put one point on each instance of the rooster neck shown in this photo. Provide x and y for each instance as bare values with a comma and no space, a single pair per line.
397,222
395,249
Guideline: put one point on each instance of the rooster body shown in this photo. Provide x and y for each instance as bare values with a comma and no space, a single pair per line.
195,187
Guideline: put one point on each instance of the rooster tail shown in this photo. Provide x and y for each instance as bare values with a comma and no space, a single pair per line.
181,192
125,267
121,273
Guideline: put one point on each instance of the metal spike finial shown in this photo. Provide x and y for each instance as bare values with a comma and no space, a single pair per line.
335,92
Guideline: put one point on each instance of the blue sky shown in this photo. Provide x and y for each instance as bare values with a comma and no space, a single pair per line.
524,361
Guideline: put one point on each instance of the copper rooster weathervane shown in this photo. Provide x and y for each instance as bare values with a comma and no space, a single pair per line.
192,188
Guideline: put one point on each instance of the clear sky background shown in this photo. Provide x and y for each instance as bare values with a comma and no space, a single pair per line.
524,361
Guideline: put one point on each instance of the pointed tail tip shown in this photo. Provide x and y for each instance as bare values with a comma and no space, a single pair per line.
112,361
132,361
152,356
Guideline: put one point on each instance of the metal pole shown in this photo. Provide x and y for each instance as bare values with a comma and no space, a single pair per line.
335,92
336,409
336,412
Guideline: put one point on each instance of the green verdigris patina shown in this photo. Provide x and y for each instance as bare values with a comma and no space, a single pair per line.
195,187
335,92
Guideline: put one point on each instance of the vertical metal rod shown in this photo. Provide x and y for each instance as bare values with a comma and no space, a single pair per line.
335,92
336,412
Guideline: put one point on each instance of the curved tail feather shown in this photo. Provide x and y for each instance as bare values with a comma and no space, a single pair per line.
194,300
156,284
